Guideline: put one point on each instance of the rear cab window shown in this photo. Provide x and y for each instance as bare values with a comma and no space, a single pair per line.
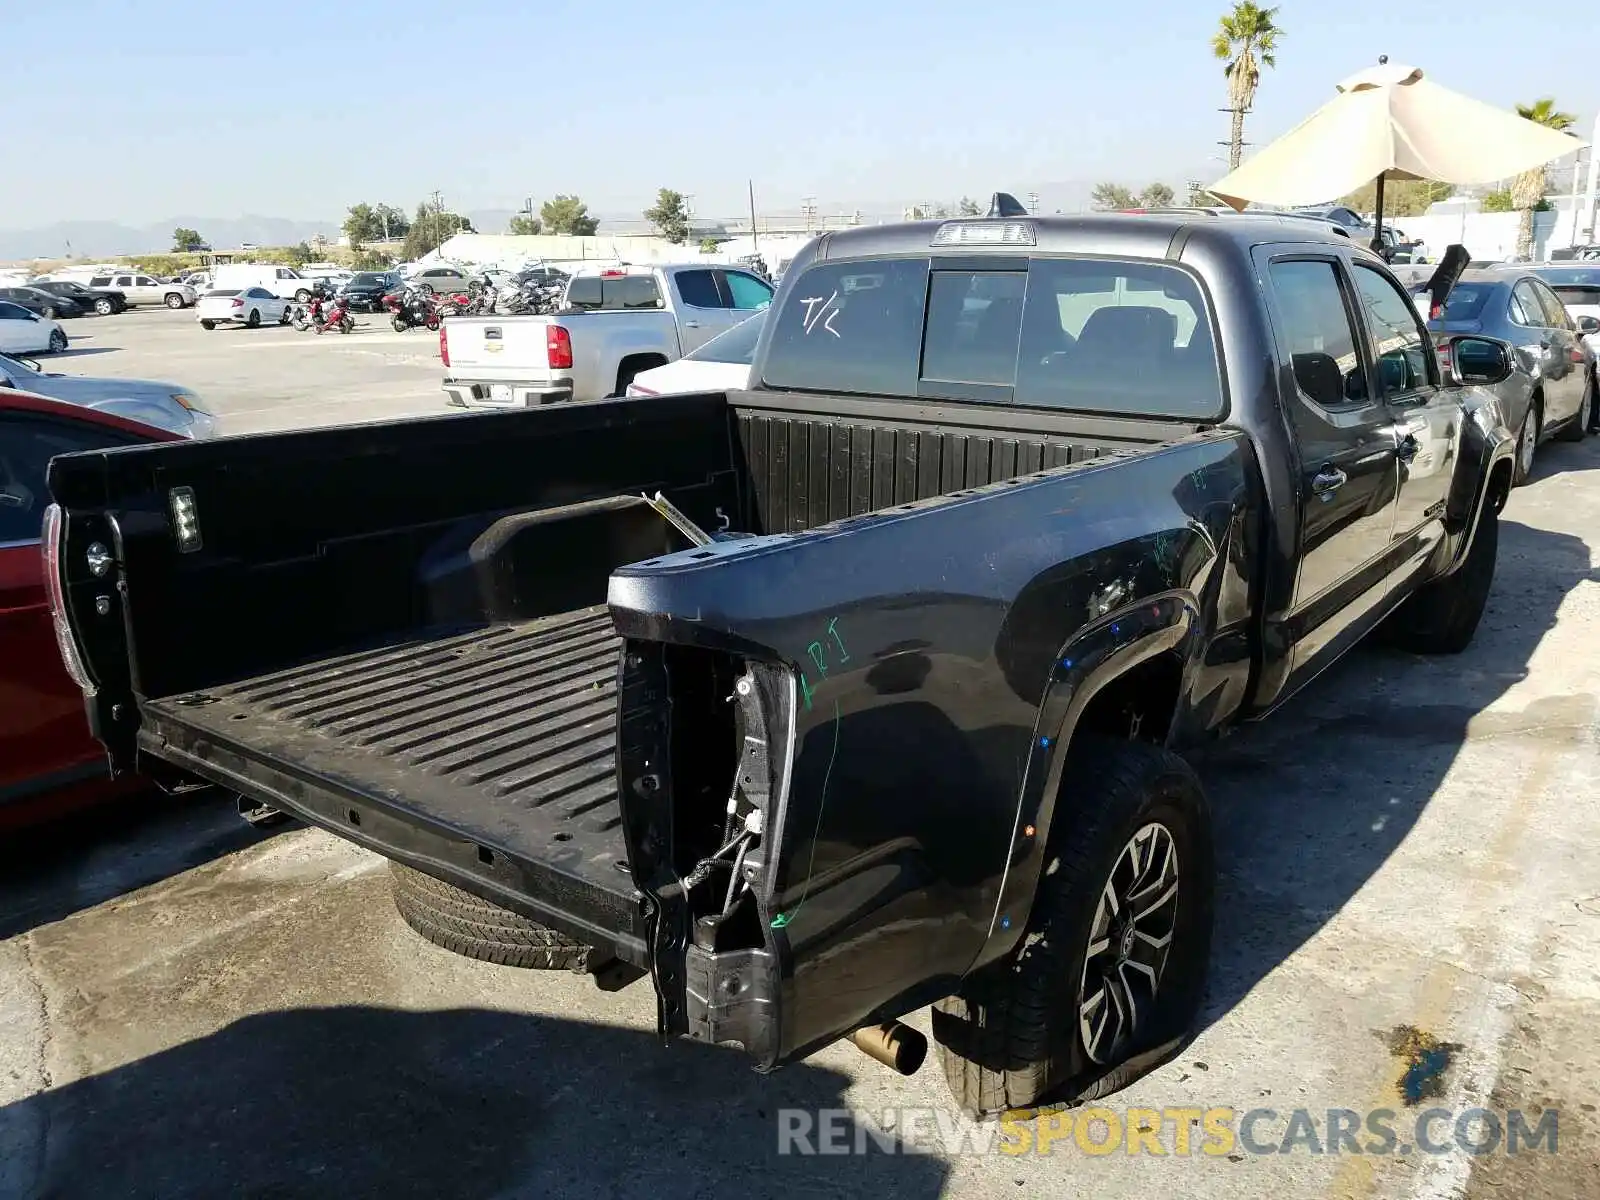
611,292
1130,338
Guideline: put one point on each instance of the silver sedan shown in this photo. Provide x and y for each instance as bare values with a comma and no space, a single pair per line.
164,405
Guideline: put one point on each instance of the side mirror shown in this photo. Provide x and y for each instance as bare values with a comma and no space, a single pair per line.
1476,360
1589,324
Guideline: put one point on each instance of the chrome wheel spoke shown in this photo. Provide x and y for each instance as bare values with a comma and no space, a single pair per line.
1129,941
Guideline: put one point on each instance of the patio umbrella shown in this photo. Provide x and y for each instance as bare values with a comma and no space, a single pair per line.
1390,122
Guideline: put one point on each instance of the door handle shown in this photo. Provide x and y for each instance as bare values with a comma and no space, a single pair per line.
691,324
1328,481
1407,449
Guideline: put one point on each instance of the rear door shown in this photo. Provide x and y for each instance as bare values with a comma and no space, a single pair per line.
44,735
703,308
1348,467
1539,340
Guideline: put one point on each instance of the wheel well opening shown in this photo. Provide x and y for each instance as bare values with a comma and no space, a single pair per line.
1138,705
633,364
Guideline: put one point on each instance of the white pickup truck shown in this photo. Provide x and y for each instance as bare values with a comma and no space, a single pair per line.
611,326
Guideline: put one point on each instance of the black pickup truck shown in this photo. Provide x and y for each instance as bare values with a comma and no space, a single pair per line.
890,714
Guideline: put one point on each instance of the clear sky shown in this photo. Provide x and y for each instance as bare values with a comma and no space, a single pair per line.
143,110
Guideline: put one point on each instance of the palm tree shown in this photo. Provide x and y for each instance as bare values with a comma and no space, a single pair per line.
1529,187
1247,40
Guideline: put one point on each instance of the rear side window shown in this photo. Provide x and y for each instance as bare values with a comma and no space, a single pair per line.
636,291
699,289
850,327
1466,301
100,281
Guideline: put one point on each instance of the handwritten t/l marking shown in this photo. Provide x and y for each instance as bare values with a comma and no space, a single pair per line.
825,314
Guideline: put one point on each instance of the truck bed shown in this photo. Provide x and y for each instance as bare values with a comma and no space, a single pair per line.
502,738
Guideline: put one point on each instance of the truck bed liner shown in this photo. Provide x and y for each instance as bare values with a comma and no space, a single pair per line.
503,739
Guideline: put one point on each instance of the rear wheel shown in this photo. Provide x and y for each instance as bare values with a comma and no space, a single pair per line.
1108,977
460,922
302,296
204,324
253,321
1527,443
174,300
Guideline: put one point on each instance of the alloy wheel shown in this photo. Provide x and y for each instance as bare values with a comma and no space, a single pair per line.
1528,441
1130,940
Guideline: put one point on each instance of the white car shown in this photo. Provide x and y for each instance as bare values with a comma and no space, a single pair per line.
24,332
250,307
721,364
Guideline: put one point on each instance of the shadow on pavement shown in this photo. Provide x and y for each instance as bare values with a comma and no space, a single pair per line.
1311,803
466,1104
78,352
53,871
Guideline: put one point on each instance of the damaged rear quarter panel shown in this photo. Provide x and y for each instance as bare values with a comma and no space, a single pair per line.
924,640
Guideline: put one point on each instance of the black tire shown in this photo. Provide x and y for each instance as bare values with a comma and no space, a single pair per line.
208,324
283,317
1527,442
425,288
1441,617
175,300
400,324
58,341
1576,429
104,307
1011,1037
462,923
253,321
302,297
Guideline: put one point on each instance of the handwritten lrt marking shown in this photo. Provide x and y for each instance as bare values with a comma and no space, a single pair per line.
819,653
825,314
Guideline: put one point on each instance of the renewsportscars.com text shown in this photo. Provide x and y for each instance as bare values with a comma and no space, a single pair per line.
1174,1132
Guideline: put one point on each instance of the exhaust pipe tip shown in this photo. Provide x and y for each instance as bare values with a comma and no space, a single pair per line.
898,1047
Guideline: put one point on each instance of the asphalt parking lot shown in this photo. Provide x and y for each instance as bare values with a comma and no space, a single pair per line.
275,377
1408,921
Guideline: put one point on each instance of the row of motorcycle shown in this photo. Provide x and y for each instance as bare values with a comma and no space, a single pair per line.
421,308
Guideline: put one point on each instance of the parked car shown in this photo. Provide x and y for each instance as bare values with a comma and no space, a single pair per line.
283,282
366,290
613,325
1578,288
856,691
1551,390
47,304
50,764
439,279
251,307
25,332
722,364
145,289
168,406
104,302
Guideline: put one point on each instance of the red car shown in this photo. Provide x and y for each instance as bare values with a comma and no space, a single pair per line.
49,765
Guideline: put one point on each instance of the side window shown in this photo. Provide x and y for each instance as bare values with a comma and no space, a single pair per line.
1525,306
974,319
12,312
146,281
100,281
1316,327
124,281
27,444
1555,312
283,274
1398,345
698,289
1126,337
747,291
850,327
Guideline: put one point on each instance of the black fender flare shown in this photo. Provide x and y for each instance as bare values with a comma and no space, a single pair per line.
1094,657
